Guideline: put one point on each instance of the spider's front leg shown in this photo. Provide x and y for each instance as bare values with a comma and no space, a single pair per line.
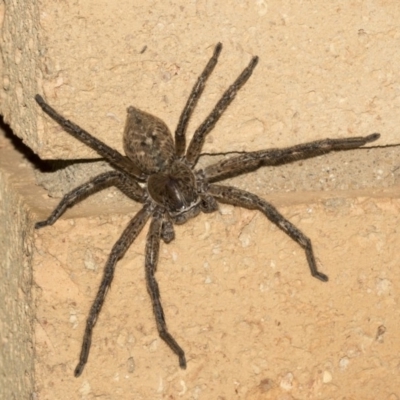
120,247
152,252
241,198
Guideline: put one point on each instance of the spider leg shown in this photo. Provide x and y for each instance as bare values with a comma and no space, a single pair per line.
198,88
152,252
237,197
111,155
201,132
120,247
122,181
251,161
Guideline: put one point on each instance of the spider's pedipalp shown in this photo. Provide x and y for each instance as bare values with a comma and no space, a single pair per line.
201,132
208,204
241,198
167,230
198,88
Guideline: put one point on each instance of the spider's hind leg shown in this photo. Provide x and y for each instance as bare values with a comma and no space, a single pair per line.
111,155
199,136
241,198
198,88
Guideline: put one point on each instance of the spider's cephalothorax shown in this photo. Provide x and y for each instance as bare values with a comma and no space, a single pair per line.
172,192
176,190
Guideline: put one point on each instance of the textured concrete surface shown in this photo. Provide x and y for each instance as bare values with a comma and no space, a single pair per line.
327,69
253,322
237,292
16,308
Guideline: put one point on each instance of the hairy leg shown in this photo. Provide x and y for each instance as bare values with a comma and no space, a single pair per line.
120,247
251,161
111,155
201,132
122,181
237,197
152,252
198,88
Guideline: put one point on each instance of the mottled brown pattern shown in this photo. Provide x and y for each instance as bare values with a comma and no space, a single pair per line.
148,142
172,192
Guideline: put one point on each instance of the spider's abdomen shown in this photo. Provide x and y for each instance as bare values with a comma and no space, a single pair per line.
175,190
148,142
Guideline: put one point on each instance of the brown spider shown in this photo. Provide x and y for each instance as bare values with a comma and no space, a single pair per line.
172,192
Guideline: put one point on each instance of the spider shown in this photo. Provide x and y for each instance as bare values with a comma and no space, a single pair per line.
160,173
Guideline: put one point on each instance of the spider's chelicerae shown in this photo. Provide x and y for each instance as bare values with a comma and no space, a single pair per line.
160,173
